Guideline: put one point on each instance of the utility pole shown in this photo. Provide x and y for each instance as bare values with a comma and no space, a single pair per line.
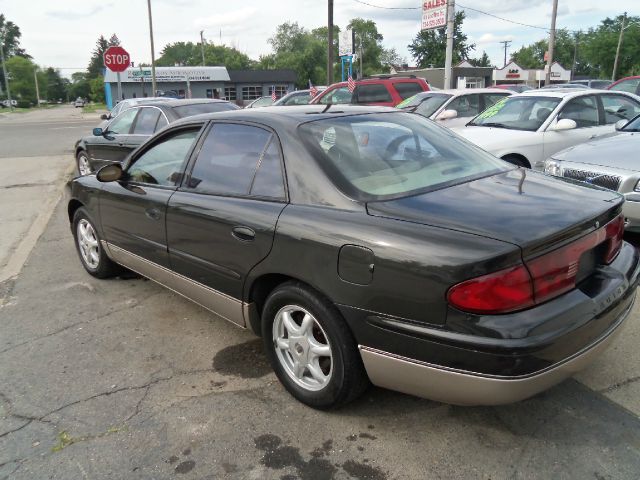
575,55
330,44
361,71
615,62
552,42
202,45
35,77
448,59
153,54
4,72
506,44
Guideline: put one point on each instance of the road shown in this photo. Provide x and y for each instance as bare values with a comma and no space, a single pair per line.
124,379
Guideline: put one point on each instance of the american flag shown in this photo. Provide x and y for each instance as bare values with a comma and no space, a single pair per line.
313,91
351,84
273,93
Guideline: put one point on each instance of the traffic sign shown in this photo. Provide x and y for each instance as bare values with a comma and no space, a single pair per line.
116,59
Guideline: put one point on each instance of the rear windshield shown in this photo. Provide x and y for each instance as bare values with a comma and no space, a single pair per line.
391,155
209,107
517,113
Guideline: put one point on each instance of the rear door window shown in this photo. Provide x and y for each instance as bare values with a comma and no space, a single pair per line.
371,93
229,159
619,107
146,121
122,123
407,89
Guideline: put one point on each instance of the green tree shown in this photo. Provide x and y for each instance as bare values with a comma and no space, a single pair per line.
483,61
10,35
429,46
532,56
391,57
80,86
189,53
23,87
96,89
367,30
598,46
55,87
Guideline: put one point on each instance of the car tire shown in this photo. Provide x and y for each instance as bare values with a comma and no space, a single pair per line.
315,357
517,161
83,167
90,250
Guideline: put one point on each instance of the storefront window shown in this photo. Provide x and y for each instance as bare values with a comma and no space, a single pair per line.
281,90
251,93
230,93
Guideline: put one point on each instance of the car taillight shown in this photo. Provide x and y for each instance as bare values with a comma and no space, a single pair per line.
499,292
542,279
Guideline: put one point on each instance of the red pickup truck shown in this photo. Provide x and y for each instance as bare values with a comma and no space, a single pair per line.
384,91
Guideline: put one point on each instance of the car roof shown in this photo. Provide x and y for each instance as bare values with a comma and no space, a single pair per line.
291,115
466,91
174,102
557,92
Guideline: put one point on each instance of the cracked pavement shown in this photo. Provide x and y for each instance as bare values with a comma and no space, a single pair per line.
121,378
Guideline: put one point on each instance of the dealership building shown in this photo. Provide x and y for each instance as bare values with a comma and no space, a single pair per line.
239,86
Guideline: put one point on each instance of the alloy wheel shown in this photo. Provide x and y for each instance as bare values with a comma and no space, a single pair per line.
302,347
83,165
88,244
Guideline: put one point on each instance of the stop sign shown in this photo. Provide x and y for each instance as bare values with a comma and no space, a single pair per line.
116,59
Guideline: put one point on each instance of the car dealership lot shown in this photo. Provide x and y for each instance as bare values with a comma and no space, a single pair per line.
124,379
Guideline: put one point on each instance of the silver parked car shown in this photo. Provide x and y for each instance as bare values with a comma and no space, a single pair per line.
610,162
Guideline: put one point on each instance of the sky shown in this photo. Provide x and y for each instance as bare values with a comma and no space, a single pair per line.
62,34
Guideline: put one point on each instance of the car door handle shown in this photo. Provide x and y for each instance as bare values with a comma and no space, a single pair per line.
153,213
244,234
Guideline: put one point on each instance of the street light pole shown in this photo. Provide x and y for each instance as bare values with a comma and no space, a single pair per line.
202,45
448,59
35,77
615,62
153,55
4,72
552,42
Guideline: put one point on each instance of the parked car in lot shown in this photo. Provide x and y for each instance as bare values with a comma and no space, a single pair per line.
528,128
132,126
417,262
79,102
558,86
125,104
453,108
596,83
382,91
609,162
299,97
514,87
629,84
260,102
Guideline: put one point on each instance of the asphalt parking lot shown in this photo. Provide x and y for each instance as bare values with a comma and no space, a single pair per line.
123,379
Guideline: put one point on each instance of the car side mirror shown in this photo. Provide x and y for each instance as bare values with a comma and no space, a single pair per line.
447,115
110,173
98,132
620,124
104,117
565,124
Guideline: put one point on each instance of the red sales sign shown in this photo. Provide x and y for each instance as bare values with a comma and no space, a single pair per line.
116,59
434,14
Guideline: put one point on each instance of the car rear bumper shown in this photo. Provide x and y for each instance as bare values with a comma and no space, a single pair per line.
495,359
467,388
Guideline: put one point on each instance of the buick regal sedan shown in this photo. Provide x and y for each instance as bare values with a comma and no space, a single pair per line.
368,245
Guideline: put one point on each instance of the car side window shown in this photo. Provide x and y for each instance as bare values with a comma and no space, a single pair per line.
146,121
619,107
630,85
371,93
269,181
582,110
407,89
122,123
491,99
465,105
228,159
162,122
339,95
162,163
